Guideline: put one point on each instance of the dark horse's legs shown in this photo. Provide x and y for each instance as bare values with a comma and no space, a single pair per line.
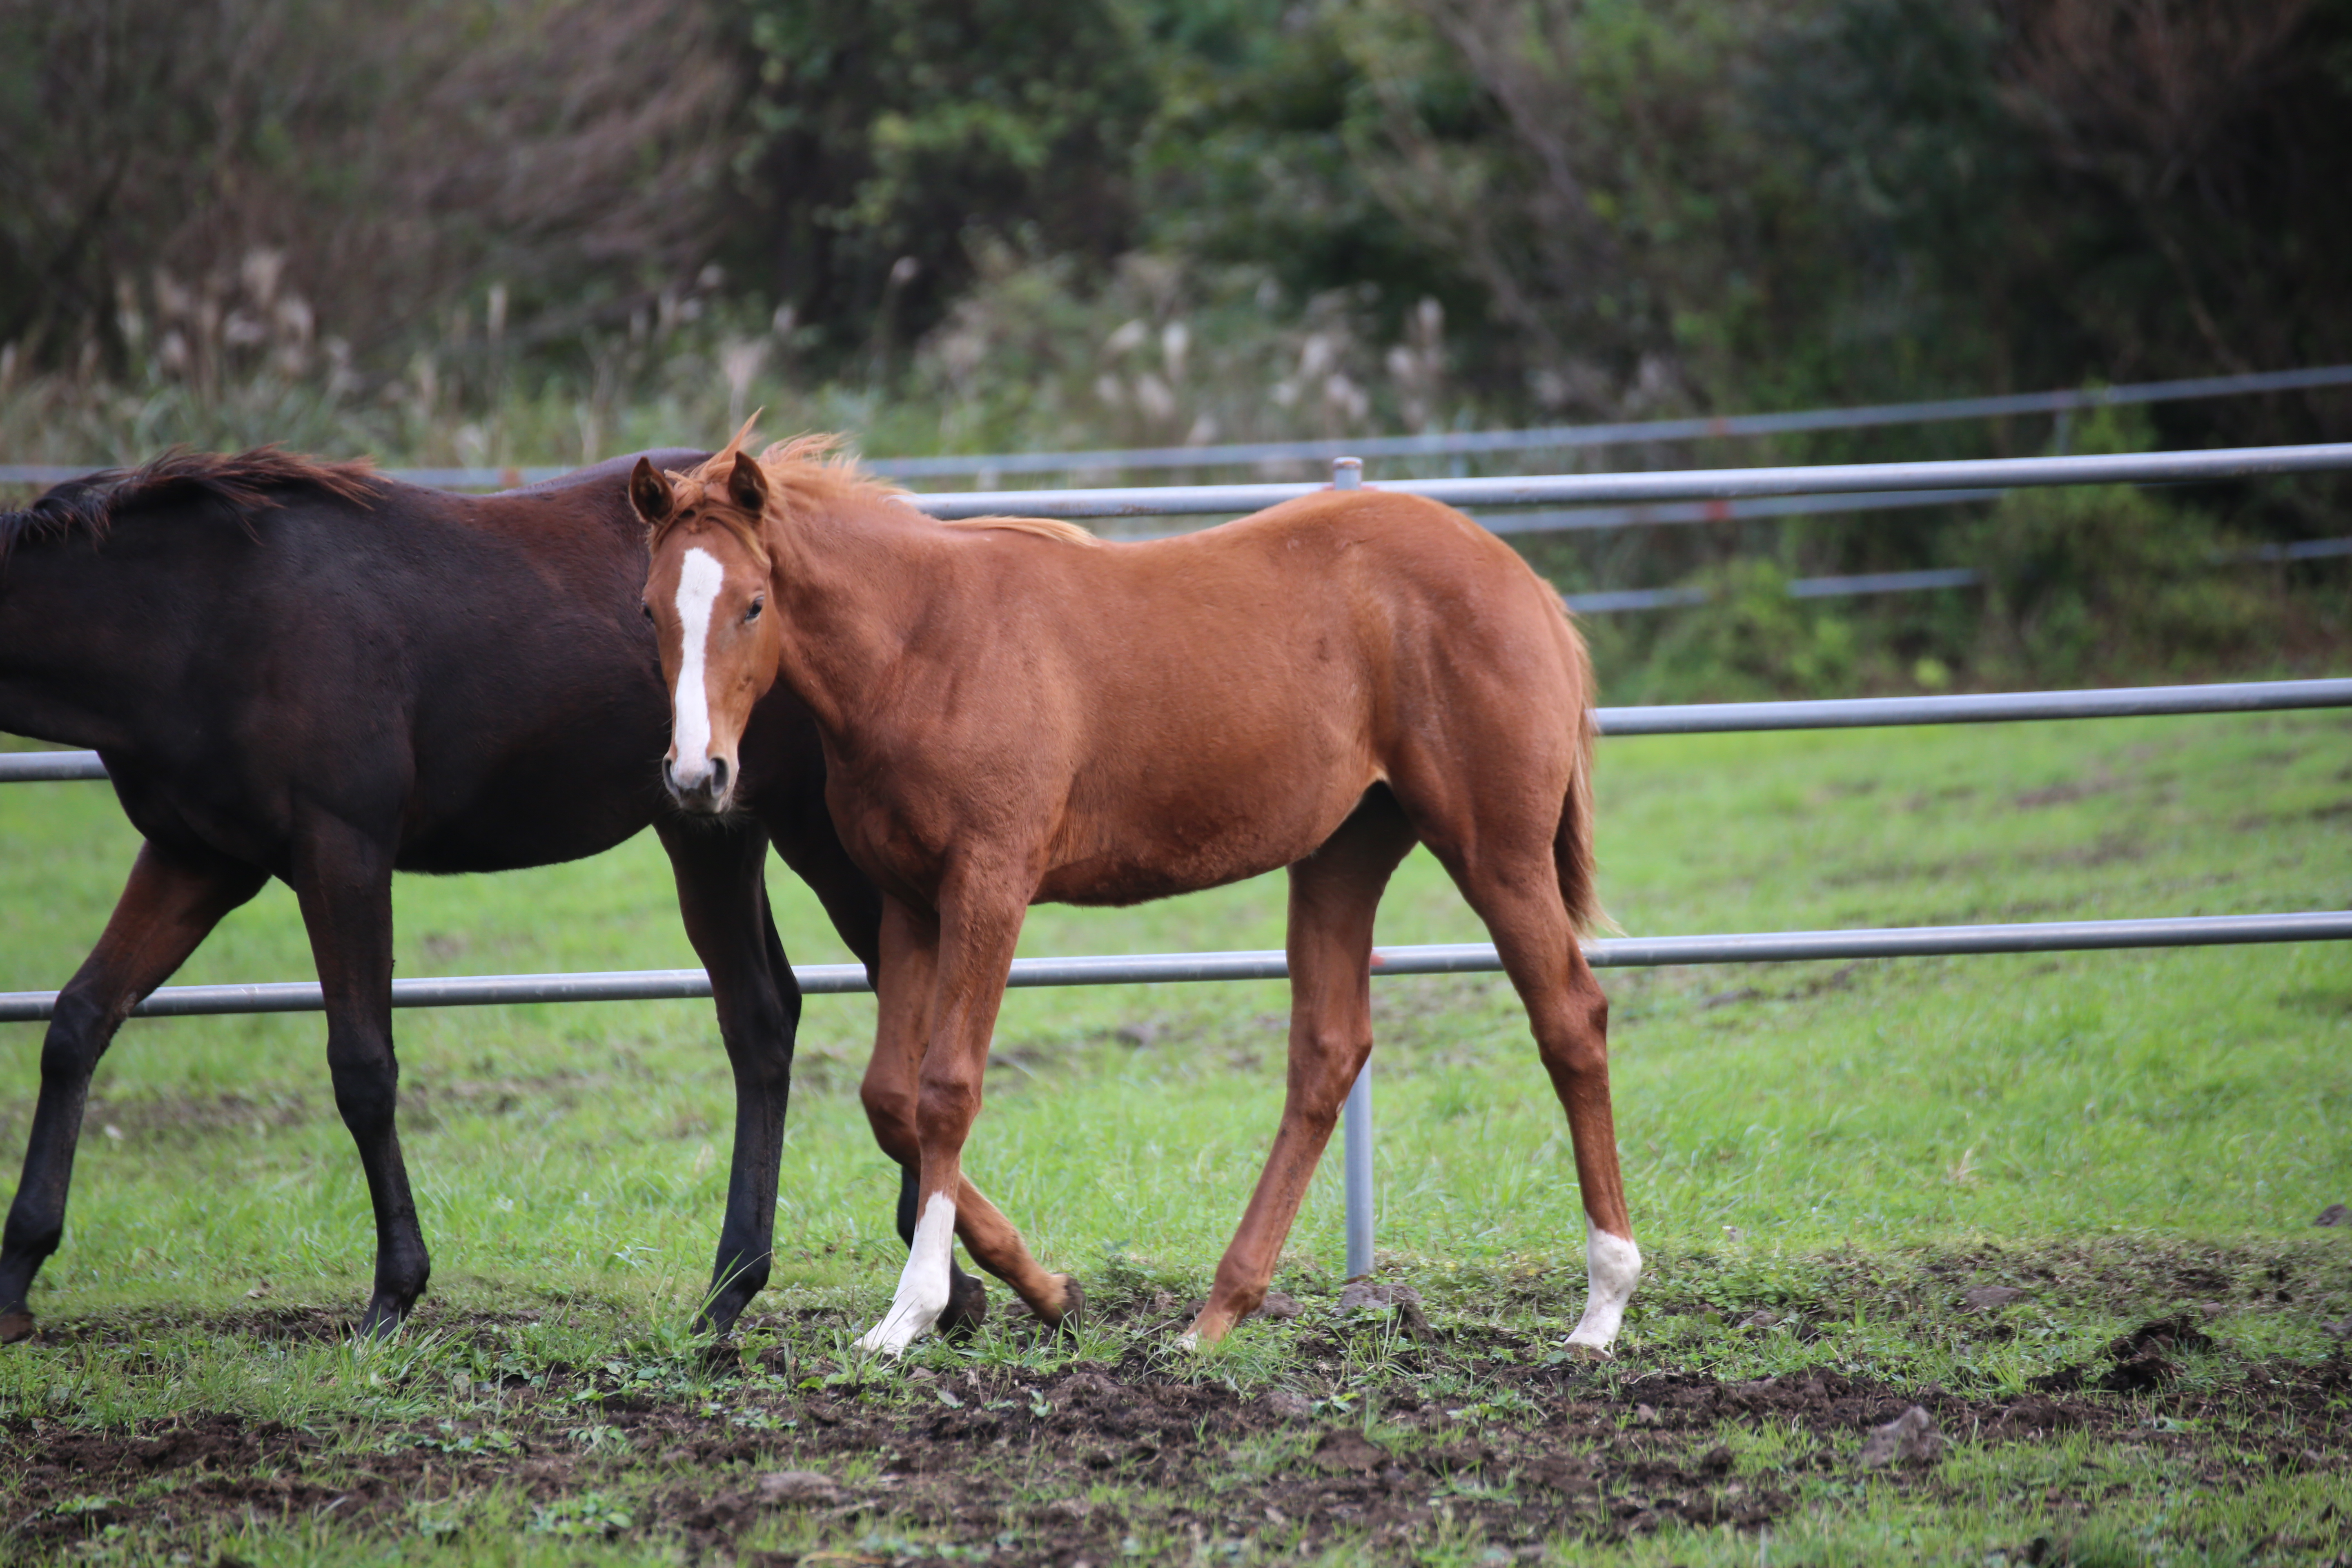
342,877
169,906
725,903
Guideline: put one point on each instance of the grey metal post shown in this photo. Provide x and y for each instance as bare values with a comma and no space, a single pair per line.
1356,1130
1357,1155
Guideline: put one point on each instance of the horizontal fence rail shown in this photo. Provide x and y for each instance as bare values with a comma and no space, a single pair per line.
1681,484
1560,437
1447,444
1164,968
1608,601
1724,718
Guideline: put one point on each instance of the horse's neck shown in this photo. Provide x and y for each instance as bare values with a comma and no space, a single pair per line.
849,585
77,640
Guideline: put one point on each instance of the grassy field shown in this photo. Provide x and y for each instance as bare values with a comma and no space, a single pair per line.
1821,1160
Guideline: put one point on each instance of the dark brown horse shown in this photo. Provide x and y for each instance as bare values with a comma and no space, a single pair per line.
301,670
1015,712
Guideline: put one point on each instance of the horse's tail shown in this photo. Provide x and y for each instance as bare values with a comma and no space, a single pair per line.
1573,842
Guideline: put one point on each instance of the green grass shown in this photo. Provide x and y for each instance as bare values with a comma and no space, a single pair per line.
1849,1144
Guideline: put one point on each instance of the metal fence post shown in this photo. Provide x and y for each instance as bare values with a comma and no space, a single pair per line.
1356,1133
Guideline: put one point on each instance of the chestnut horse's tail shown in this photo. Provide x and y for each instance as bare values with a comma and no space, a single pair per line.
1573,842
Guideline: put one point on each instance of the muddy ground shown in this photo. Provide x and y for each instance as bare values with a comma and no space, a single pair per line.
1112,1460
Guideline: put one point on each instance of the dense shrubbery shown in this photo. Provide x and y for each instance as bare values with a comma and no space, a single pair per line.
454,230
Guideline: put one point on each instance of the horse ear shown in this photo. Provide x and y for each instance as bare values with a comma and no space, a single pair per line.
649,493
747,486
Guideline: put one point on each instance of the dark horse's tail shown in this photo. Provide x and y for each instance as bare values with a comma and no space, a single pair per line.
1572,841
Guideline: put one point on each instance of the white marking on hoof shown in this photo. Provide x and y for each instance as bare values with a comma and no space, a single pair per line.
699,578
1613,1265
1189,1341
922,1285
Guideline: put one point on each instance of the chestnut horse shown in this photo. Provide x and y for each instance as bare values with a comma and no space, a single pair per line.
304,670
1014,712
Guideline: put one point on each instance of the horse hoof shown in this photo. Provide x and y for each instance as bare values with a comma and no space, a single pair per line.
15,1326
1073,1309
381,1324
967,1308
1579,1351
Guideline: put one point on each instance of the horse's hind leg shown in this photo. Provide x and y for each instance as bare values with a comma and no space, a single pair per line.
170,905
1511,880
1334,894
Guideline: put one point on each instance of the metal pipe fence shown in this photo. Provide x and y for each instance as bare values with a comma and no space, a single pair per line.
1449,444
1683,719
1676,485
1725,718
1564,437
1270,963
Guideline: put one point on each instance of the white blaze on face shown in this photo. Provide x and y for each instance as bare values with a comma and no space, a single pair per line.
1613,1265
699,578
922,1287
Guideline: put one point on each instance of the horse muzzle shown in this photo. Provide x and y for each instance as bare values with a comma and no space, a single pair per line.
707,792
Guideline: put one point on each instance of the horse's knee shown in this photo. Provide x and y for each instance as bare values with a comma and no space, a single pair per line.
890,1111
944,1109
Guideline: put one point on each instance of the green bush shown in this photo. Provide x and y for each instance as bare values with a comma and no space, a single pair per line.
2091,579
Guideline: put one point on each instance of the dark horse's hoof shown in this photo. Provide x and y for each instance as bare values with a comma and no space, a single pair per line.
1074,1308
967,1306
15,1326
382,1322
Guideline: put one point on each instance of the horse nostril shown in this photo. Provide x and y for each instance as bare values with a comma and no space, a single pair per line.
717,777
669,773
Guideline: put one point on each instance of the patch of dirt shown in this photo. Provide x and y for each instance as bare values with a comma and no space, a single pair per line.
2137,1360
1001,1453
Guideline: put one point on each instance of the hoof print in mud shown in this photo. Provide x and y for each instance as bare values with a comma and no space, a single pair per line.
798,1488
1345,1450
1400,1300
1911,1438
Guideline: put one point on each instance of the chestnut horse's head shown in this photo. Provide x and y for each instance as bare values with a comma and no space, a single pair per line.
707,595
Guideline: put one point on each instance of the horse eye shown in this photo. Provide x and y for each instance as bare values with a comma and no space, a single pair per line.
648,609
753,612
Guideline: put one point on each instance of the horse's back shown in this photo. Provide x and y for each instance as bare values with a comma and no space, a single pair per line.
1242,686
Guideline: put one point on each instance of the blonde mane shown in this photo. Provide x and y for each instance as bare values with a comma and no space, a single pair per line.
811,471
1042,527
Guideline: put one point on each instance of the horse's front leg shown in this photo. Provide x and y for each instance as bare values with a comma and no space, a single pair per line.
170,905
973,941
342,879
724,899
905,986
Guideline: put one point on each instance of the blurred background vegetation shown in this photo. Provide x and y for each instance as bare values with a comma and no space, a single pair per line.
540,231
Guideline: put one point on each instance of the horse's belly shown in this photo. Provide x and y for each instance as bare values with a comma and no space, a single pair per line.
1190,850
